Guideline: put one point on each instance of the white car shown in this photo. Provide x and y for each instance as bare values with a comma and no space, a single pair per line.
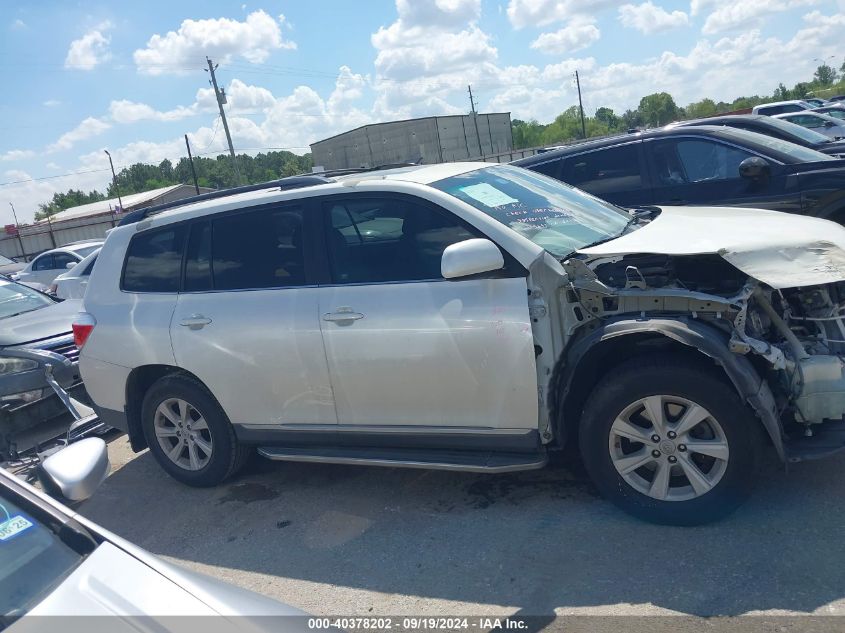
50,264
780,107
831,127
54,562
72,284
470,316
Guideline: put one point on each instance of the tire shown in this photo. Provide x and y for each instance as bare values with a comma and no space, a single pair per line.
670,387
215,455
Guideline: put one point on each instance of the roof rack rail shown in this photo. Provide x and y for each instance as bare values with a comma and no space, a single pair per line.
291,182
359,170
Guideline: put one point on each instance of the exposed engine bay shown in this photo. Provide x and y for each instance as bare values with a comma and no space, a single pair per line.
795,336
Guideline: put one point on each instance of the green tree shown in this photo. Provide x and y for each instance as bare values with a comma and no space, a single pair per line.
658,109
825,75
608,118
700,109
526,133
781,93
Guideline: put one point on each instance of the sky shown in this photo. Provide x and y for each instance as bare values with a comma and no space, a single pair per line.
81,77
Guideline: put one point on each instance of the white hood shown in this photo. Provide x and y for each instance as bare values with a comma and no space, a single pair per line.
779,249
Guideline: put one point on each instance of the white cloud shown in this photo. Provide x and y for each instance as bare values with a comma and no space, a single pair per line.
17,25
17,154
89,50
648,18
744,15
578,34
222,39
125,111
51,103
89,128
522,13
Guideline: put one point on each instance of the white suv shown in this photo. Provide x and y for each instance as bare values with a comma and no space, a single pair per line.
470,317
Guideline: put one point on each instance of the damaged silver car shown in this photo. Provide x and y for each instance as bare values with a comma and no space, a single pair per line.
472,317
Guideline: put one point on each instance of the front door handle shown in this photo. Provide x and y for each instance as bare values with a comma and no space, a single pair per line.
342,314
195,322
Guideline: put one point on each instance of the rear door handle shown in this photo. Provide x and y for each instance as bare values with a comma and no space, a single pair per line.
195,322
344,313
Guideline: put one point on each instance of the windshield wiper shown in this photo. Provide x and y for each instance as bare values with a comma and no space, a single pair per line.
637,214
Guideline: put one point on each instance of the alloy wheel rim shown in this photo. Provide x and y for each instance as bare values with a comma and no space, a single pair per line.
669,448
183,434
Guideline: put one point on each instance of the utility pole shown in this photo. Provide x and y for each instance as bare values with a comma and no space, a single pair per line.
475,120
191,160
580,106
114,181
221,99
18,230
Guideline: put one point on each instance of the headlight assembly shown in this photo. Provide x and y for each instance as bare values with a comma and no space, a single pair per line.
10,365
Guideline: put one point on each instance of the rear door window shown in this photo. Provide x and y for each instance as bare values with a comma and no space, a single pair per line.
257,249
605,170
154,260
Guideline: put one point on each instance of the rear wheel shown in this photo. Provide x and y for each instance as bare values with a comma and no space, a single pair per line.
669,442
189,434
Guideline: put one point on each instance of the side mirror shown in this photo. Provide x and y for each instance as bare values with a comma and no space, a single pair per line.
70,265
77,470
470,257
754,168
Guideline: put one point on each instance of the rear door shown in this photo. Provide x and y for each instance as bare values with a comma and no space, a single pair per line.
616,174
246,319
408,349
699,170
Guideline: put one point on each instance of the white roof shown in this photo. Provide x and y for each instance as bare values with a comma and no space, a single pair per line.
104,206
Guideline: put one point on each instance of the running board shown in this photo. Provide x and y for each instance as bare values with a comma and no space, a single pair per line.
470,461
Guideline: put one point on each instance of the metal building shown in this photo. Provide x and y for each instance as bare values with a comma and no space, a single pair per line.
87,221
435,139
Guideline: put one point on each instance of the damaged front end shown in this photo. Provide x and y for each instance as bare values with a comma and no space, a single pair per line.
792,339
41,395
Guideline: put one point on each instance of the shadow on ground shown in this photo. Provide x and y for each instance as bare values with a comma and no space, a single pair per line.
537,541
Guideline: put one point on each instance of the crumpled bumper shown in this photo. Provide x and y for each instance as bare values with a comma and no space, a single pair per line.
63,405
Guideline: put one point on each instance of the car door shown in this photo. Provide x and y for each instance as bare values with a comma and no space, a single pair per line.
408,348
700,170
246,319
616,174
40,268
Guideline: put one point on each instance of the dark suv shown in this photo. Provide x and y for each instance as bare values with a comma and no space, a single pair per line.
713,165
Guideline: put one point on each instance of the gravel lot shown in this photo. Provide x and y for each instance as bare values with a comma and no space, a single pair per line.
347,540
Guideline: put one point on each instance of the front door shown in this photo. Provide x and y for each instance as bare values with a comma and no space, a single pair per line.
407,348
690,170
246,320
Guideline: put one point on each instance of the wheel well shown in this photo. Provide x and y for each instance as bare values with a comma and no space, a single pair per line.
139,382
572,385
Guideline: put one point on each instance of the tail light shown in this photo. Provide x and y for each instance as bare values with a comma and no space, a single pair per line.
83,325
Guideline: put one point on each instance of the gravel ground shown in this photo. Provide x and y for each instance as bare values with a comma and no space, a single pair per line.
373,541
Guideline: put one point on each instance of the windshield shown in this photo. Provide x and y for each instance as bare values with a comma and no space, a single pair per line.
32,560
793,129
552,214
794,153
16,299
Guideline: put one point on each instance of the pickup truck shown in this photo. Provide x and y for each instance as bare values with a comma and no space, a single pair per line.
471,317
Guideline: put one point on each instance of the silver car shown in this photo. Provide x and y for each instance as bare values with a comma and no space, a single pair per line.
55,562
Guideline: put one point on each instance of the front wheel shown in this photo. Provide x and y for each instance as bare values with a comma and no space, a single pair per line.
669,442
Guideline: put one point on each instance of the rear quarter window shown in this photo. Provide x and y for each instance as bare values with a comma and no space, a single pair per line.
154,261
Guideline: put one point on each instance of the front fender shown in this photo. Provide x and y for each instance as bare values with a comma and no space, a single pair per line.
703,338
